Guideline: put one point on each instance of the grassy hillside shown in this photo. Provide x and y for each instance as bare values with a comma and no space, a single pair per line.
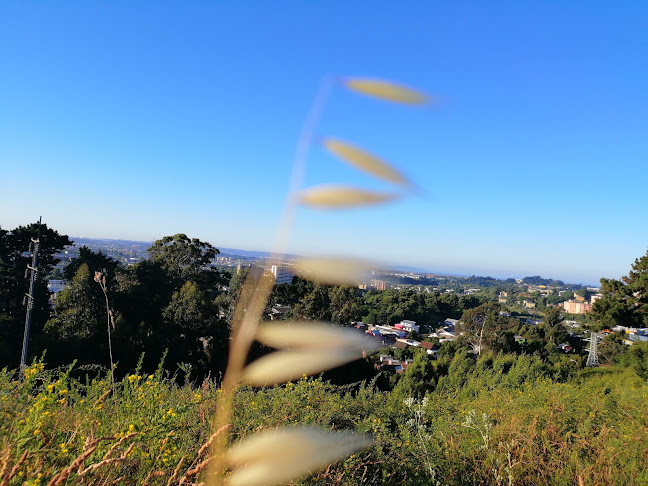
499,424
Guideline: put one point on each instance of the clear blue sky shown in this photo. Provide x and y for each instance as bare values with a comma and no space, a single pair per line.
141,119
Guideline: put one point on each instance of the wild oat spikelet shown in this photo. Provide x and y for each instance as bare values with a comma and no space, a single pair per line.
386,90
331,196
311,335
283,366
364,161
334,271
279,456
306,349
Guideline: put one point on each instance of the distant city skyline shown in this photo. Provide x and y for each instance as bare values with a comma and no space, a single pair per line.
140,120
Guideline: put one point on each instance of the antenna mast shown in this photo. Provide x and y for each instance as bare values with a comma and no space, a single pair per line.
30,297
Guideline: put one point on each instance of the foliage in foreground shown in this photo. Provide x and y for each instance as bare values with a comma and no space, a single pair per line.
495,428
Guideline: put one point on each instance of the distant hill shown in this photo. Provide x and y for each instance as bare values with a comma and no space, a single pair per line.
405,268
244,253
143,245
81,241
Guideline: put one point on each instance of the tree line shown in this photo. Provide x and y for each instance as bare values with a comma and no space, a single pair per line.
176,305
168,304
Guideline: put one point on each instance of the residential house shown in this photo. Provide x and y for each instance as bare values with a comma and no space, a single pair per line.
408,342
430,348
278,311
566,348
595,297
450,322
638,335
445,336
572,324
386,360
407,326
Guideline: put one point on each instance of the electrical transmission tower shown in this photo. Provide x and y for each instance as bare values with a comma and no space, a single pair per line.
480,320
31,269
592,357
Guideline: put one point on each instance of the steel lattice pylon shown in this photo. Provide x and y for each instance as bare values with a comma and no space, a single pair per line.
592,357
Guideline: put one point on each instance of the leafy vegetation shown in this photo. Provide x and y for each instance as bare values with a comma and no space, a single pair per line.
501,419
625,301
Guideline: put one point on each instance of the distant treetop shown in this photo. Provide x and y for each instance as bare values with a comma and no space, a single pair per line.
538,280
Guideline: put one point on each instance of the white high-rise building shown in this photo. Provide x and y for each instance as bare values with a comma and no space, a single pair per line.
281,274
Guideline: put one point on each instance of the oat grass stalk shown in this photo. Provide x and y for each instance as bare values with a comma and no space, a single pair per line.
78,463
100,278
104,462
4,465
14,469
249,309
199,464
309,448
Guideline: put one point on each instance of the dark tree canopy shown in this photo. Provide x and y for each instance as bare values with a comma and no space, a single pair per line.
157,309
625,301
183,258
552,317
80,314
96,261
538,280
637,280
15,255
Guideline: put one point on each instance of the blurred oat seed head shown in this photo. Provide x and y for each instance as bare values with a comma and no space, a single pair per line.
334,271
281,455
305,348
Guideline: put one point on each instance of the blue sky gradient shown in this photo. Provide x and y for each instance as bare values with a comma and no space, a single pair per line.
137,120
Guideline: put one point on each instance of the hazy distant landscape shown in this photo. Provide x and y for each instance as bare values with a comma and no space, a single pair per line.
126,249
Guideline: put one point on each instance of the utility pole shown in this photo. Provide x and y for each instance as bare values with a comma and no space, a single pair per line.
30,297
